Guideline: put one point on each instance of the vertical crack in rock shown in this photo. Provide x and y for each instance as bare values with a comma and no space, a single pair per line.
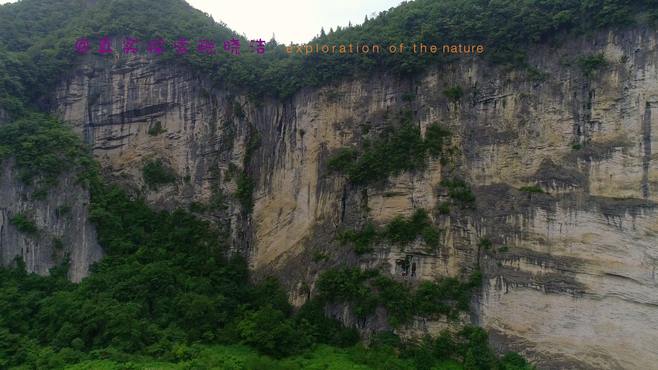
646,144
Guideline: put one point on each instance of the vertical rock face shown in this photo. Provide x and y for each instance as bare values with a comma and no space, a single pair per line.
57,226
571,278
137,111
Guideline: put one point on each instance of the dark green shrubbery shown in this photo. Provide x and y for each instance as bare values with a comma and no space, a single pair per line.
156,129
365,290
166,280
42,147
532,189
31,63
590,64
363,240
156,174
400,149
404,231
454,93
342,159
245,192
400,230
348,285
459,191
24,224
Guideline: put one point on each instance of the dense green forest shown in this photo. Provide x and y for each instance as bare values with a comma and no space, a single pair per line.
37,38
168,294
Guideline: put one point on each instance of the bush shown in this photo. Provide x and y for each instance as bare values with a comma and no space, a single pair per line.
404,231
245,192
342,159
42,147
365,290
459,191
362,240
313,321
24,224
270,332
591,64
454,93
532,189
444,208
348,285
156,173
403,149
156,129
436,139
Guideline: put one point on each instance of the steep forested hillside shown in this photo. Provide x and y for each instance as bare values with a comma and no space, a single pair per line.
36,38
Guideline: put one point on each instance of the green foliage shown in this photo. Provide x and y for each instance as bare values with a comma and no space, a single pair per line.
397,300
459,191
166,281
590,64
269,331
24,224
156,129
436,139
514,361
348,285
245,192
402,150
31,63
444,208
156,174
447,296
397,150
485,243
532,189
475,349
42,148
322,329
454,93
400,230
362,240
404,231
167,284
365,290
342,159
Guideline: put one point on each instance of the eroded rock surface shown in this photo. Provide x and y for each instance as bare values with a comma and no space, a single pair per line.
570,279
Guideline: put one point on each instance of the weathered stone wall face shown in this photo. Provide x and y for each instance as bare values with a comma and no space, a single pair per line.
570,280
61,220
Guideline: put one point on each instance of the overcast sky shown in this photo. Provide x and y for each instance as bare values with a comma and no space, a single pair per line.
290,20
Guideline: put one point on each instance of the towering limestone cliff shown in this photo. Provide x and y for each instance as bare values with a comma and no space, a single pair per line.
544,181
560,162
57,226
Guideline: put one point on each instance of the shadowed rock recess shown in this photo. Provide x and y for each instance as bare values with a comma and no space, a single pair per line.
563,223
